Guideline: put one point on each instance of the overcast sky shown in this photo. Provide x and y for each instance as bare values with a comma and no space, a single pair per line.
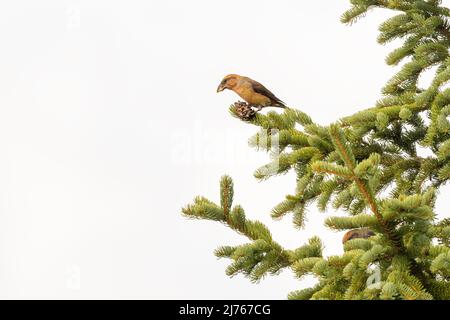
110,123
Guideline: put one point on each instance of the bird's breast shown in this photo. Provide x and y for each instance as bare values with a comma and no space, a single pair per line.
251,96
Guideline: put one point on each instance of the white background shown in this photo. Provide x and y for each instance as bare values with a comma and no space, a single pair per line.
110,123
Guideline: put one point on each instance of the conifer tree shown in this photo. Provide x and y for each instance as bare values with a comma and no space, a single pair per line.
365,165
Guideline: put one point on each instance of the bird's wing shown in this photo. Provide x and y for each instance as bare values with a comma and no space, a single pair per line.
259,88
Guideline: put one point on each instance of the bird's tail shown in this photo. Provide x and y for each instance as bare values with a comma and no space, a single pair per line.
278,103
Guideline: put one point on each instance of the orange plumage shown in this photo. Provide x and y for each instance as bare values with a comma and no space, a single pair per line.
357,233
253,92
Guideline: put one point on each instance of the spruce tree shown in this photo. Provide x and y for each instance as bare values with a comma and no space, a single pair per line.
366,165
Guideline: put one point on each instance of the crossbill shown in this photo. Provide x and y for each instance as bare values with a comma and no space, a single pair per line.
253,92
357,233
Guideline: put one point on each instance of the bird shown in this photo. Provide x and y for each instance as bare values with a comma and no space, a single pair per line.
357,233
253,92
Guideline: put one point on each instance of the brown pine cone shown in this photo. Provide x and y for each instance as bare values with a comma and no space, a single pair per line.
244,111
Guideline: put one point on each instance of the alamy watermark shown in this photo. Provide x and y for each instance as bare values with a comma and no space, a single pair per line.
73,16
203,145
73,278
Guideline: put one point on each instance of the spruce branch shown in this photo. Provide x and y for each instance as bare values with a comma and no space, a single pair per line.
367,165
255,259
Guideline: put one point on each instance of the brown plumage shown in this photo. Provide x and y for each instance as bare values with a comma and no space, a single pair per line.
357,233
253,92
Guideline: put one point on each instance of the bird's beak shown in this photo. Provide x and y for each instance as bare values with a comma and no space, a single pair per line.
220,88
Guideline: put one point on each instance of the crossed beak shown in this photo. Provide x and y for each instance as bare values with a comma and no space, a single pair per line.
220,88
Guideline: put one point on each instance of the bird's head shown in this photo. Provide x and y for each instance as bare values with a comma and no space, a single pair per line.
229,82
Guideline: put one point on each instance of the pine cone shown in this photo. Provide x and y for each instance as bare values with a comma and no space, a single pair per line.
244,111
